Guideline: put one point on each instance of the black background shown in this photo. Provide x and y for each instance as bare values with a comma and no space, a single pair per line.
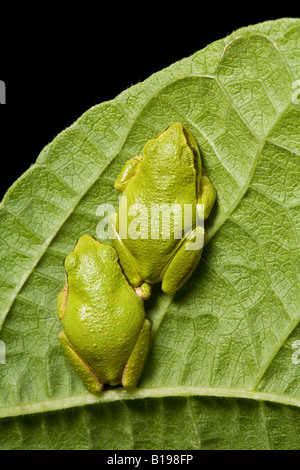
58,63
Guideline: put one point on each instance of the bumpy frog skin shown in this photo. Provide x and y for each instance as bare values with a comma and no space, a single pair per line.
169,171
106,335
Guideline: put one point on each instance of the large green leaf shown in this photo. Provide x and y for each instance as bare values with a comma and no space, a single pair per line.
223,370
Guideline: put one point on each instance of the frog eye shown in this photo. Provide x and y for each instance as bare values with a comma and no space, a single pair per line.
195,154
151,147
196,159
71,261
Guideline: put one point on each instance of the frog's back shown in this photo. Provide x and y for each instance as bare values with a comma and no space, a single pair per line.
96,320
162,192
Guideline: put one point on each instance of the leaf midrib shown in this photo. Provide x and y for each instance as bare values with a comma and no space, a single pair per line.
85,399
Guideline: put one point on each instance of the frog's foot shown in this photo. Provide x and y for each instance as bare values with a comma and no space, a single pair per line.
135,363
125,257
143,291
84,372
184,262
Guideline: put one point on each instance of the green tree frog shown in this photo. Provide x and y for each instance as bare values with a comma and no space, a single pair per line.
168,174
105,333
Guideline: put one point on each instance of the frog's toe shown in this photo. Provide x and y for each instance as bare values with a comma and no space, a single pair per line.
144,291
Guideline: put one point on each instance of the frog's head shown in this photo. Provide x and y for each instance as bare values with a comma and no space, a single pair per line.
87,258
174,145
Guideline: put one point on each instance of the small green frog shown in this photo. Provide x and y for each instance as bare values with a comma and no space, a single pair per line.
106,335
167,174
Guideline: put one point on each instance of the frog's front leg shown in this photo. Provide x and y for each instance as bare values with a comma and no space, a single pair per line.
207,194
184,261
126,261
135,363
61,301
128,171
81,368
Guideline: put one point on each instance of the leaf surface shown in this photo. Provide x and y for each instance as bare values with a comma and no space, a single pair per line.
223,370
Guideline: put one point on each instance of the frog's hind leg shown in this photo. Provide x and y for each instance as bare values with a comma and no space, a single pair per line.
135,363
184,261
207,194
91,381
